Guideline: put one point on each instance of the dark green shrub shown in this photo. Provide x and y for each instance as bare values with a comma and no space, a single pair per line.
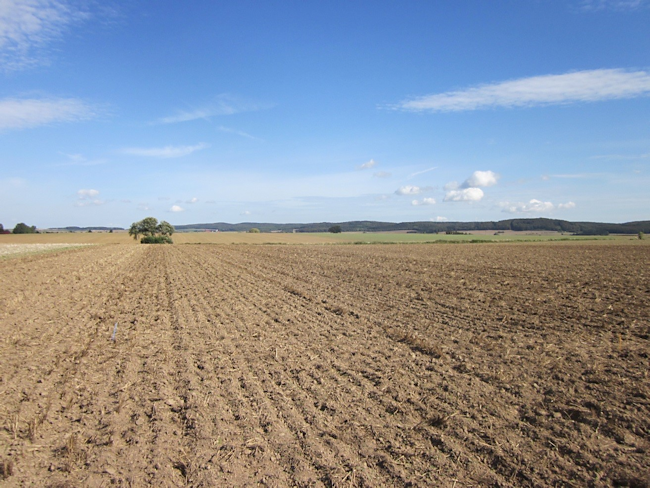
156,240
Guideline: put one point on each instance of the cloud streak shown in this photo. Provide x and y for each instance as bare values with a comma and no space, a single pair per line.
422,172
166,152
616,5
28,26
578,86
241,133
222,105
26,113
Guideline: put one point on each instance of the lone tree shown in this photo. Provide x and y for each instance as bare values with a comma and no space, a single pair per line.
335,229
152,231
253,230
24,229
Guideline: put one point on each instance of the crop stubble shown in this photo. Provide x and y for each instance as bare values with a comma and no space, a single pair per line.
501,365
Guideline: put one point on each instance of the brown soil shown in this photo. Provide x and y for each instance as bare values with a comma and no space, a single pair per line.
415,365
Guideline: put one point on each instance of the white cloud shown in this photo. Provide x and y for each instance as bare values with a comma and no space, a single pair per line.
176,208
465,195
164,152
535,206
481,179
408,190
28,26
26,113
245,212
192,200
578,86
440,219
86,198
382,174
452,185
368,165
567,205
85,194
222,105
424,201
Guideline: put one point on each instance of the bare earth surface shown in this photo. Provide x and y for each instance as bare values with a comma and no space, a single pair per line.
401,365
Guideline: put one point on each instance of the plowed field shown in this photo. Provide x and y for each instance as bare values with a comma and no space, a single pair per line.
401,365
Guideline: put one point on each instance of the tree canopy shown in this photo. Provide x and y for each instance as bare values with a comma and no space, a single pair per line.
149,228
23,228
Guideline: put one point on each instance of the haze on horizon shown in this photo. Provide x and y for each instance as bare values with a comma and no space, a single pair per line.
323,111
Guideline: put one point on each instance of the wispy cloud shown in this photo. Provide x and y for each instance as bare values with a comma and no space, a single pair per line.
417,173
424,201
27,27
618,5
164,152
579,86
622,157
222,105
80,160
17,113
370,164
241,133
577,176
534,206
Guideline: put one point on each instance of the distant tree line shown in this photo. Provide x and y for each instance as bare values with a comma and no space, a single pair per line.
529,225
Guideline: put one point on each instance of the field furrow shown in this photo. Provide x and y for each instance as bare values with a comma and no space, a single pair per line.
401,365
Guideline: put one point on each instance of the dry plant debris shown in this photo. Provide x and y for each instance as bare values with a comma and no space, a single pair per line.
491,365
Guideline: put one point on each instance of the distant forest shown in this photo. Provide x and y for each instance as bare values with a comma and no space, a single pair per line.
540,224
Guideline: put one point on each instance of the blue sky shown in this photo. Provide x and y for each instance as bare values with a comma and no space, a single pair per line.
305,111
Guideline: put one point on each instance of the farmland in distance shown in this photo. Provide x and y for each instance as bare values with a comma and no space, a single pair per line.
310,365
